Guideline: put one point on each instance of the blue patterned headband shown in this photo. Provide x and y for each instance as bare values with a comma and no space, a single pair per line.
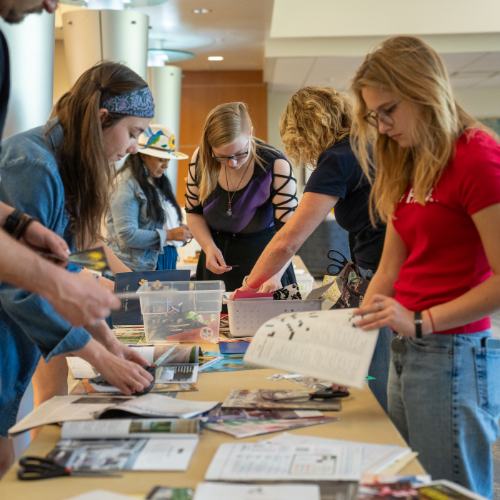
137,103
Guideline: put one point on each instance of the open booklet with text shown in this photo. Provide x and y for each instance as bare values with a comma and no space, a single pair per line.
322,344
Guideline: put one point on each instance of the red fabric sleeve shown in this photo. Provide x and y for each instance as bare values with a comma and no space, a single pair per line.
479,170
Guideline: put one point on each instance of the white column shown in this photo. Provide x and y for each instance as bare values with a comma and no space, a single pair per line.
165,84
31,49
92,36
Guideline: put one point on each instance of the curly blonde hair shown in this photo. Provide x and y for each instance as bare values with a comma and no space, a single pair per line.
315,119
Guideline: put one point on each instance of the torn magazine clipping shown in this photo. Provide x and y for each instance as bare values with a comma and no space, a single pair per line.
321,344
163,428
125,454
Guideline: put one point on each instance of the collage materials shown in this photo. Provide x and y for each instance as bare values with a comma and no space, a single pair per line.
271,399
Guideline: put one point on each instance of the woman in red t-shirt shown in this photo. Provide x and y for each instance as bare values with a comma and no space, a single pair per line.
436,181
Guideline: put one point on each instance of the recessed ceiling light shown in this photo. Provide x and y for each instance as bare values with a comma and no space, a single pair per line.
202,11
215,58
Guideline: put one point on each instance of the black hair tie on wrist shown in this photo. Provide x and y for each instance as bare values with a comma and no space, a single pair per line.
417,319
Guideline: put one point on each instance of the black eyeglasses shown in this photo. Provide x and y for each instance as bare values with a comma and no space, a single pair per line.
384,116
235,157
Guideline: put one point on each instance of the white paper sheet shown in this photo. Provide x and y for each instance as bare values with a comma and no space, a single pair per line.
66,408
376,456
263,461
80,368
161,454
162,406
321,344
216,491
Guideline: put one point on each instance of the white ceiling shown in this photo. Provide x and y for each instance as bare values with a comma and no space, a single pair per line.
240,31
472,69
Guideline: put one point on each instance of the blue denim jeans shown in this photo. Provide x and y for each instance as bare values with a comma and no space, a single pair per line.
444,398
379,367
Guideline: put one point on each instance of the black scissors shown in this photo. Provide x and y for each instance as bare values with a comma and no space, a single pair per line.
44,468
328,393
337,264
300,396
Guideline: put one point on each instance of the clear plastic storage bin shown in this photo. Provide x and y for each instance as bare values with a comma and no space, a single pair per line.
181,311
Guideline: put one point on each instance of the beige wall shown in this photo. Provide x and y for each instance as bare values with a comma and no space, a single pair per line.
61,75
480,102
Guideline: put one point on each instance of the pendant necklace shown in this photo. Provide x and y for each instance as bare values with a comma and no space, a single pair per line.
230,198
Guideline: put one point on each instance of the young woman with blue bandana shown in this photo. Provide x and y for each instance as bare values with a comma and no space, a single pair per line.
144,222
60,173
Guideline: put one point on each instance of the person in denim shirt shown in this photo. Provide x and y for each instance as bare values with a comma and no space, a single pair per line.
78,299
144,219
52,174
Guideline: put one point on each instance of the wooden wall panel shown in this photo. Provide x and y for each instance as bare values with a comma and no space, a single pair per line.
204,90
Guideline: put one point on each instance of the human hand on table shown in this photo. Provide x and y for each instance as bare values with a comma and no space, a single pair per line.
79,299
215,261
386,311
105,336
128,376
272,284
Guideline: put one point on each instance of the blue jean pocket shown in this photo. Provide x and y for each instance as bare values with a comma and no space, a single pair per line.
433,344
487,362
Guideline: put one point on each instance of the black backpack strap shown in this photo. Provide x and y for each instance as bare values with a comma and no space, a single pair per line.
377,255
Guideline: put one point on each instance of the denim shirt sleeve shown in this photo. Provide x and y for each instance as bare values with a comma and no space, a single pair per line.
35,187
125,210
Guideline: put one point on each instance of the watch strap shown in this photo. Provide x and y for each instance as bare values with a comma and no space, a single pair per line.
17,223
12,221
417,319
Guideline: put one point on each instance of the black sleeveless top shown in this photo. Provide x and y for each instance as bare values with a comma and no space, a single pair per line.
252,207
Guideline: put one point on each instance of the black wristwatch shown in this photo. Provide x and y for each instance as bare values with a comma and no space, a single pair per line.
17,223
417,319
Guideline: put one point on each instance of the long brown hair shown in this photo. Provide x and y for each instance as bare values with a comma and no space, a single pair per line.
84,168
315,118
414,71
154,208
223,126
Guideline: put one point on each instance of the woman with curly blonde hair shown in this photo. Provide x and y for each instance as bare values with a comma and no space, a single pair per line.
436,181
315,128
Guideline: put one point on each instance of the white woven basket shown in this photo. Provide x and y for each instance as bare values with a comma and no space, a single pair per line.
246,316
